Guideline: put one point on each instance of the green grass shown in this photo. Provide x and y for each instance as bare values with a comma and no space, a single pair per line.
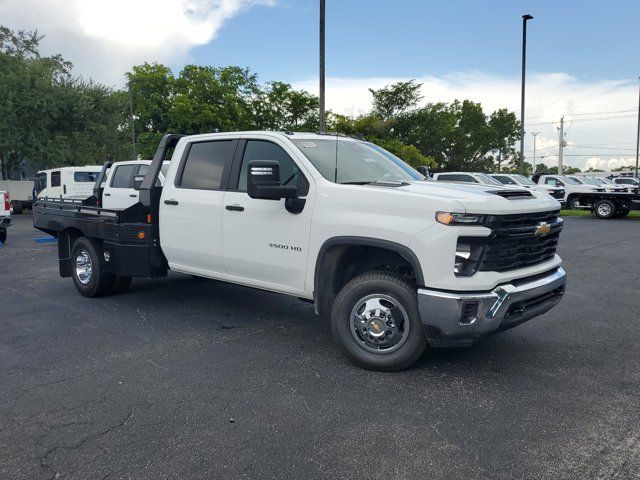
587,213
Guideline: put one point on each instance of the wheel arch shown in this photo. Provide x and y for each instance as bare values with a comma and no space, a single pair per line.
66,238
331,273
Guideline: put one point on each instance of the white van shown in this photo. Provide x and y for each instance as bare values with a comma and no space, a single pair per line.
66,182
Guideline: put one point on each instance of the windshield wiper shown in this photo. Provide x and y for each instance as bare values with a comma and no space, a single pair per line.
357,183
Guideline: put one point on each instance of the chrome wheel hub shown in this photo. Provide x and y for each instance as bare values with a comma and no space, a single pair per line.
84,267
604,209
379,323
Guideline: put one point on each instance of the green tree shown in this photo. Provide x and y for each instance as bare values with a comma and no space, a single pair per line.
392,100
279,107
47,116
459,136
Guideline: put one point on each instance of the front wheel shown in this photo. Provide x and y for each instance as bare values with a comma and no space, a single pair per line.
605,209
88,270
574,202
376,321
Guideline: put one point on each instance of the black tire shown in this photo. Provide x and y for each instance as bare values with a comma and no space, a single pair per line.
622,213
403,293
573,202
17,207
99,281
3,235
605,209
121,284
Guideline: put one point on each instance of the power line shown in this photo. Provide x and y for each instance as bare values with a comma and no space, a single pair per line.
601,148
585,113
617,117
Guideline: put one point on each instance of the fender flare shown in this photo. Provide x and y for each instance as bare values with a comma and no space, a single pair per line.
404,251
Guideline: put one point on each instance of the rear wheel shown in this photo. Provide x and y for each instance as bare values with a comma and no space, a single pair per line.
88,272
605,209
376,321
3,235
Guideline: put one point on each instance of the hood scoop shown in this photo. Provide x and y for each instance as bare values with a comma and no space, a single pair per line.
512,194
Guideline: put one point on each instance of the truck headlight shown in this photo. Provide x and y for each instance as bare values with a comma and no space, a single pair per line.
447,218
467,259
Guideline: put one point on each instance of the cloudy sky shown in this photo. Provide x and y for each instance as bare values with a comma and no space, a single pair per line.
583,55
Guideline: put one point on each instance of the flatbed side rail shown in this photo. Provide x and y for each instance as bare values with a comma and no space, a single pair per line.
72,207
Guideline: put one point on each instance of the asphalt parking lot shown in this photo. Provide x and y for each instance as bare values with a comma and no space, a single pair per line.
180,378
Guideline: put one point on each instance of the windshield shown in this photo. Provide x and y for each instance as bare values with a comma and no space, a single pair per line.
605,180
487,179
524,180
572,181
591,181
347,161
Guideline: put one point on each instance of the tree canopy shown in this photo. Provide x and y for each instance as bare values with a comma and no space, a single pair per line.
52,118
48,116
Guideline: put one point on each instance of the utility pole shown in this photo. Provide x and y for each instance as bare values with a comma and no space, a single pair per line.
638,134
560,144
525,18
322,10
133,128
533,168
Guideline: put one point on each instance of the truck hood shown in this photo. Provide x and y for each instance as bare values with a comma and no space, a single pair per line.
484,199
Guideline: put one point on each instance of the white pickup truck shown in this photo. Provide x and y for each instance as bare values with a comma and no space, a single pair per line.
395,261
5,215
573,189
515,180
120,188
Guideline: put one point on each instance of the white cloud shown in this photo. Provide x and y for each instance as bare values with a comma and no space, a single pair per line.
549,96
610,163
104,38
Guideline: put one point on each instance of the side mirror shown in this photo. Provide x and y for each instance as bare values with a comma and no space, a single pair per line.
264,181
137,181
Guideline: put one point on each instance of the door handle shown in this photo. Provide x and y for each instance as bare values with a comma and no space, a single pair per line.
107,194
132,195
236,208
171,202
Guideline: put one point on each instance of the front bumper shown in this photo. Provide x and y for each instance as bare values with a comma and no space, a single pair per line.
458,319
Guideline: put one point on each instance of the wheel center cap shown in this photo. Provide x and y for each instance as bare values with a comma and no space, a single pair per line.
376,327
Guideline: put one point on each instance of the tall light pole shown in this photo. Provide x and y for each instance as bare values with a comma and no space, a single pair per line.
322,10
533,168
638,134
525,18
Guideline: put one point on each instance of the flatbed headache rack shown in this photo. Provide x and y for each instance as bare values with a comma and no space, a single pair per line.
130,238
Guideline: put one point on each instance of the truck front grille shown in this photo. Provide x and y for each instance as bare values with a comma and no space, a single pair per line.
516,241
557,194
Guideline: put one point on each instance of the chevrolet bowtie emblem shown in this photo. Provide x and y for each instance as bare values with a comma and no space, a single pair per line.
542,229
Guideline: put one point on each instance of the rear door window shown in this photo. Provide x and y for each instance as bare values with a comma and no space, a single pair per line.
123,176
205,164
55,179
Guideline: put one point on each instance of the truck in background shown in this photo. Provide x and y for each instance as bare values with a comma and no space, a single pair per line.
66,182
120,189
21,193
5,215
